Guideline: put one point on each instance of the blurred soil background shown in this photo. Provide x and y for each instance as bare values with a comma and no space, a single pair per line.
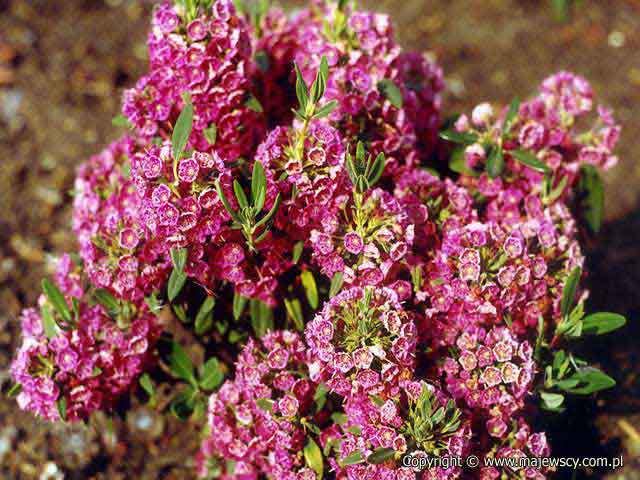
63,65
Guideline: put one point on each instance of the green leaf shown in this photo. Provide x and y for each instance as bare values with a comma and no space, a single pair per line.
313,457
297,252
181,365
336,284
591,191
602,322
294,310
320,83
530,160
320,396
153,303
376,170
121,121
181,131
211,134
353,459
381,455
302,92
514,107
258,186
495,162
391,91
226,204
265,404
147,385
269,215
239,304
592,380
183,404
50,326
551,401
61,404
309,284
176,282
240,195
107,300
212,375
57,300
15,390
204,318
466,138
458,162
569,291
326,109
254,104
261,317
339,418
179,258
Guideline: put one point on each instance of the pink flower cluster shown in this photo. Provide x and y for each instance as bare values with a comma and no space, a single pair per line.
86,368
257,420
418,299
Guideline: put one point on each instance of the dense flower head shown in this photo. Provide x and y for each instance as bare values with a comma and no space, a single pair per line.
421,421
490,371
256,420
367,67
118,252
366,240
550,129
86,366
207,60
485,275
363,340
519,443
307,168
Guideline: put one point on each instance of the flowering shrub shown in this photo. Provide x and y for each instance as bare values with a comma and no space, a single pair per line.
279,194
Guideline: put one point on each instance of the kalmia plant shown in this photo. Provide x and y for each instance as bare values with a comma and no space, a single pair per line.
280,211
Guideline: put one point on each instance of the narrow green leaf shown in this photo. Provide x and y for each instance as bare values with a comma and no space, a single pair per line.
107,300
48,323
592,380
239,304
211,134
258,186
15,390
466,138
61,404
458,162
569,291
376,170
530,160
176,282
270,213
294,309
181,131
57,300
602,322
204,319
254,104
212,375
551,401
591,191
261,317
310,287
302,92
381,455
313,457
336,284
241,197
353,459
179,258
391,91
181,365
495,162
121,121
297,252
514,107
183,404
147,385
265,404
326,109
226,203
